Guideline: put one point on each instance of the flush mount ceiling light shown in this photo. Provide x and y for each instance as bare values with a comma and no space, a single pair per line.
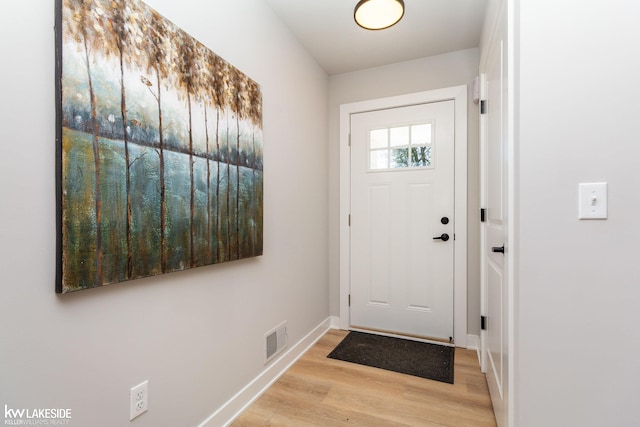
378,14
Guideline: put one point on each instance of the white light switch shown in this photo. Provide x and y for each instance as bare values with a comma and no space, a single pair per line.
592,200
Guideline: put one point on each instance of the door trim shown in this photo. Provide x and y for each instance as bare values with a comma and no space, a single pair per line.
459,95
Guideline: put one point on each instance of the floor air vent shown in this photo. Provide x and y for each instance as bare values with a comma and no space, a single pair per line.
275,341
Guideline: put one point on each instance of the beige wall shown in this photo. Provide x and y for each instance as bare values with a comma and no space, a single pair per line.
198,335
577,344
452,69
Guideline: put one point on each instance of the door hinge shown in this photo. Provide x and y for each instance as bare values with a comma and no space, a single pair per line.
349,300
349,219
483,215
349,140
483,323
483,106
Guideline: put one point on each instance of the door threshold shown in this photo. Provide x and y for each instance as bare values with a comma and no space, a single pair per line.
412,337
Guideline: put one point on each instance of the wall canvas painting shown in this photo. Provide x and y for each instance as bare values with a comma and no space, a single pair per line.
159,148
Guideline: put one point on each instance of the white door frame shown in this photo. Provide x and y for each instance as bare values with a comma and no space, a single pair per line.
459,95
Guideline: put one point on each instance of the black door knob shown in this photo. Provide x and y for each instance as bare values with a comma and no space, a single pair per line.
444,237
498,249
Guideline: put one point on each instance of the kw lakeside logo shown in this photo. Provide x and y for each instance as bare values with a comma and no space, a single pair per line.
32,417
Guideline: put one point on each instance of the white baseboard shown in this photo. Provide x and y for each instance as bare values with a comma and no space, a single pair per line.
228,412
335,322
473,342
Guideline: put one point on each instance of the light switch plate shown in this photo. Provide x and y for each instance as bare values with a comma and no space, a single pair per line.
592,200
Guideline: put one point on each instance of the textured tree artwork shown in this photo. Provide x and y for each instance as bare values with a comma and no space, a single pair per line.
159,148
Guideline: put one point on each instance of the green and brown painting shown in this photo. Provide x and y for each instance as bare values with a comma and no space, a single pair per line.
159,148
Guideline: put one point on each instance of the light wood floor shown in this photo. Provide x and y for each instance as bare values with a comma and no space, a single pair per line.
317,391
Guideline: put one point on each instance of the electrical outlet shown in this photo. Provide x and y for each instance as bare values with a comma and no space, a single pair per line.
138,400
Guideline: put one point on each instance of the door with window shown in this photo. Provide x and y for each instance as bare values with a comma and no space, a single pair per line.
402,220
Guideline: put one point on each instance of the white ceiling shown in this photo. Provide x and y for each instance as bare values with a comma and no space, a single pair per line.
429,27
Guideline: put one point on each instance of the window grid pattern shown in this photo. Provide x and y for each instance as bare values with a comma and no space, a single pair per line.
401,147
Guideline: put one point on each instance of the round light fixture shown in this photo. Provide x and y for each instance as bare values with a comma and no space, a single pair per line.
378,14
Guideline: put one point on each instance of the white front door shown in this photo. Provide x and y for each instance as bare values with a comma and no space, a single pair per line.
402,220
495,229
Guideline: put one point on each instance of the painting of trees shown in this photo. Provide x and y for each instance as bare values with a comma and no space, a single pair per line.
159,148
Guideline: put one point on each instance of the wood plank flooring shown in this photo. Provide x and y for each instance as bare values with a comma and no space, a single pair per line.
317,391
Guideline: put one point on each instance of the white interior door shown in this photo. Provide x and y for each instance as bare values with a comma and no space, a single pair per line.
495,229
402,220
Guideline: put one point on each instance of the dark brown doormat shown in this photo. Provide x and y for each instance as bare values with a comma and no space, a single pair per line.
431,361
